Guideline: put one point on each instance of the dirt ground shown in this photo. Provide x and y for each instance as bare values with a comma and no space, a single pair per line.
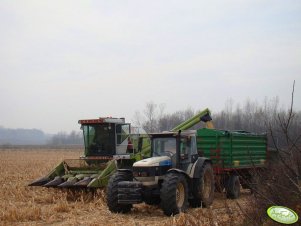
23,205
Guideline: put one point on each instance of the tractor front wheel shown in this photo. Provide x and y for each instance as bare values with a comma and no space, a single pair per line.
112,192
174,194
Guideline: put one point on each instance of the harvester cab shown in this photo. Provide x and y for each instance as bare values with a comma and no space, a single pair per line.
106,137
109,144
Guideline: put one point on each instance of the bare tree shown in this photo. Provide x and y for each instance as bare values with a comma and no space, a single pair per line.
280,183
150,114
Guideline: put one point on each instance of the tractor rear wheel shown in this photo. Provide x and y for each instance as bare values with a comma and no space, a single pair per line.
203,188
112,192
174,194
233,187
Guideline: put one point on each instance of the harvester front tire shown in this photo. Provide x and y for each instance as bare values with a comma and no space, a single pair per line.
233,187
203,188
174,194
112,192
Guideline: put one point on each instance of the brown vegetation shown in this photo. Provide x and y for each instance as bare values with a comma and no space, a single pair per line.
23,205
280,183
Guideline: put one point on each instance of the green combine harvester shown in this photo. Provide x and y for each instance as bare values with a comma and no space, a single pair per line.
110,144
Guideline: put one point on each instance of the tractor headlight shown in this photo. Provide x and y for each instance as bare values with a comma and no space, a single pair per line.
141,172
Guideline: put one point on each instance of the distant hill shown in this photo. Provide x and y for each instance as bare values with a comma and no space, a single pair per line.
22,136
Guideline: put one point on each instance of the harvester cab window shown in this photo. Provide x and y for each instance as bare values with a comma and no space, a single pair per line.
122,132
89,133
123,143
99,139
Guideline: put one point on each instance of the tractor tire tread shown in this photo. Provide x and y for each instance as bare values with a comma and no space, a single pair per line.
197,199
112,192
168,194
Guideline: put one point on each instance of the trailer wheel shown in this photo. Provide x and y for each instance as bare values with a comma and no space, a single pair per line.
112,192
174,194
203,188
233,187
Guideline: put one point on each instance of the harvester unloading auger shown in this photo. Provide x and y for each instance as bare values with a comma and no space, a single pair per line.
110,143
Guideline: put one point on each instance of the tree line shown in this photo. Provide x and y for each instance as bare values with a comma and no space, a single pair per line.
64,138
251,116
9,137
22,136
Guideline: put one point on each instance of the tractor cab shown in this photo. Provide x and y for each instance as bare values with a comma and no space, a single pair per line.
106,136
179,147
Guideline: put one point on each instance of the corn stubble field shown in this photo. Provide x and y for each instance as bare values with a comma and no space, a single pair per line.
23,205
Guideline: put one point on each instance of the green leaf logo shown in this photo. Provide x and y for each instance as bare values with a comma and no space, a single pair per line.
282,214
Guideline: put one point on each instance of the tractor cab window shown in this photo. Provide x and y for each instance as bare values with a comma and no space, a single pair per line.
185,147
164,146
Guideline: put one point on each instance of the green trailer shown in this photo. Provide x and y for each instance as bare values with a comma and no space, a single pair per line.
235,157
231,150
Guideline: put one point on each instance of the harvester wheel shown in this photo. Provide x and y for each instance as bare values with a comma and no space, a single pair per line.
174,194
203,188
233,187
112,192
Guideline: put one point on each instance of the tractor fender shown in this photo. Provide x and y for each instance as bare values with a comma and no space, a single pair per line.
197,166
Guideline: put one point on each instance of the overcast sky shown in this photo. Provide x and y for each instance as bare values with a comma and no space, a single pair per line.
61,61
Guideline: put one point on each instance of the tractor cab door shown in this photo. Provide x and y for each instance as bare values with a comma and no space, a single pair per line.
187,151
184,149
